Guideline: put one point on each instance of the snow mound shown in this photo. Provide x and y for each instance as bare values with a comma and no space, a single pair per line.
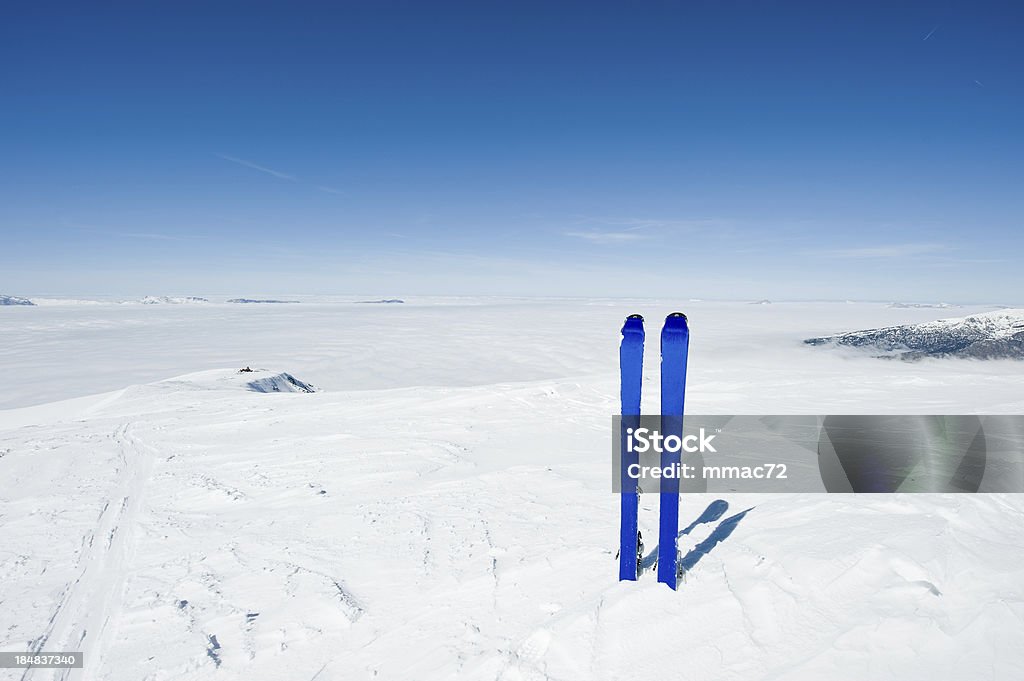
251,380
991,335
14,300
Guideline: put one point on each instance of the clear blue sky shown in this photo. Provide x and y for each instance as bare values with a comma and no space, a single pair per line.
692,149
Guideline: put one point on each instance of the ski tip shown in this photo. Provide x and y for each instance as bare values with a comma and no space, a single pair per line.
634,325
676,322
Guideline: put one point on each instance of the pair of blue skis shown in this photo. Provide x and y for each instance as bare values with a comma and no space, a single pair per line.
675,341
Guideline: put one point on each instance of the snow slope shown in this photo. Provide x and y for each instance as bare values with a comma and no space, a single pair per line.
192,528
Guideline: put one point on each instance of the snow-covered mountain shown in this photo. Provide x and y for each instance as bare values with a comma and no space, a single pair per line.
14,300
992,335
259,300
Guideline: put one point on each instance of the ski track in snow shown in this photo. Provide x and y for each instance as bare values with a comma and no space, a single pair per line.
88,606
193,529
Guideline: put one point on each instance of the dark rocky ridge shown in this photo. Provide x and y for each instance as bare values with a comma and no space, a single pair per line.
15,300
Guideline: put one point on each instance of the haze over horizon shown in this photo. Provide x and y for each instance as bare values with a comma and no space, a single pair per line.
706,150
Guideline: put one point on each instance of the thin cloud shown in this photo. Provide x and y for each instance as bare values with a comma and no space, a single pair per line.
883,251
150,235
942,261
607,237
608,230
262,169
329,190
643,224
930,33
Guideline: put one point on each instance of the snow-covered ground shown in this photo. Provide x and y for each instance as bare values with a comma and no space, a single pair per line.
441,506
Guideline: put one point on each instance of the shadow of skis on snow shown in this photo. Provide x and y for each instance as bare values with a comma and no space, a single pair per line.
720,534
715,510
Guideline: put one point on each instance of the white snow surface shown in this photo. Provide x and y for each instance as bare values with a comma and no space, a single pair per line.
441,507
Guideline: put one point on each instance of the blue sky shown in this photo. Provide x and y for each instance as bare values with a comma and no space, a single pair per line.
699,149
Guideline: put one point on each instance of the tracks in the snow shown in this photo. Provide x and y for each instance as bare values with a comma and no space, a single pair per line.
87,610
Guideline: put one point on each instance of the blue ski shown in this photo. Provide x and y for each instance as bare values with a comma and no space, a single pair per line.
675,341
631,364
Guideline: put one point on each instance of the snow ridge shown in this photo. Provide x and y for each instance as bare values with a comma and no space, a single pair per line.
992,335
14,300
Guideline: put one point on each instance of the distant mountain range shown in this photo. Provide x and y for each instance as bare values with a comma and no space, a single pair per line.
14,300
992,335
171,300
259,300
900,306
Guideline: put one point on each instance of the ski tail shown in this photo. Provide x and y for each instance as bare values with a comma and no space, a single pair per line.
631,360
675,341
